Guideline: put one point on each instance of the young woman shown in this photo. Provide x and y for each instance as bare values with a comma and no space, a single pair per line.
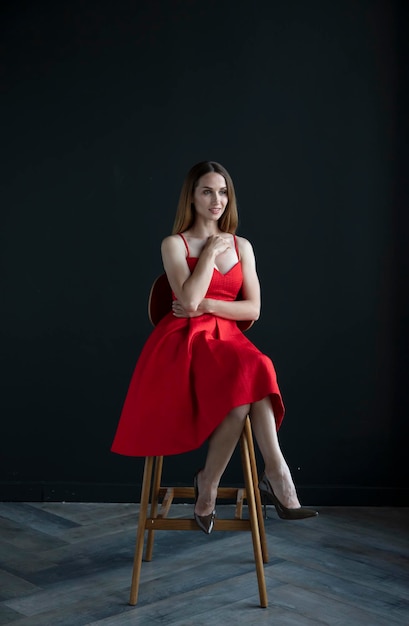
198,376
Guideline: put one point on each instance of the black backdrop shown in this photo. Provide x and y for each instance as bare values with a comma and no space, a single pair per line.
105,106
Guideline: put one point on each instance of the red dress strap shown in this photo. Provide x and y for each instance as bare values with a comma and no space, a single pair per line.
236,246
185,242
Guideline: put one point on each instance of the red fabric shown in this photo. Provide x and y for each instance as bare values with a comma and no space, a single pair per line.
190,374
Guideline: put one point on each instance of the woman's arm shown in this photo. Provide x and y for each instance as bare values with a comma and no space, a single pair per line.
246,309
190,288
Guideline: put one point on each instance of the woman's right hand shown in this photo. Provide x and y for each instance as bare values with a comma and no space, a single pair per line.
216,244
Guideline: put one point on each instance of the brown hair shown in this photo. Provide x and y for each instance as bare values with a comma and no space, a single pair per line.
185,214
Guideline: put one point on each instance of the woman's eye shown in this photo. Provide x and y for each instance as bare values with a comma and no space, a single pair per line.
206,192
224,192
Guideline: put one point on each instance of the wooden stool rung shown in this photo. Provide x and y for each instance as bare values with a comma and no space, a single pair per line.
182,523
166,503
184,493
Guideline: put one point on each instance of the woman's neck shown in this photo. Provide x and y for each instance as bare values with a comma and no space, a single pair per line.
203,230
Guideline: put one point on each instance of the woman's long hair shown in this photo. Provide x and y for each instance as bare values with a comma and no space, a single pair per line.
185,214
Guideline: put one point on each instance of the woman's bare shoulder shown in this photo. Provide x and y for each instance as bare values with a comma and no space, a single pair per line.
244,245
171,242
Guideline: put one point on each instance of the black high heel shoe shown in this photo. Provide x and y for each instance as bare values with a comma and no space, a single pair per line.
268,497
205,522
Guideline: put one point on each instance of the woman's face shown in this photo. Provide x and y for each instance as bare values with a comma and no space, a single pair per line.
210,196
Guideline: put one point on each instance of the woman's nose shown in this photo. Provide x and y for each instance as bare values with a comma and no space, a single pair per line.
217,199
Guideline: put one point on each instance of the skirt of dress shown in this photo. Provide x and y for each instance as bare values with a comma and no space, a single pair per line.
190,374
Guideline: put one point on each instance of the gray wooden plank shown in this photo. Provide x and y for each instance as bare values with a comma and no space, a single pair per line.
22,536
13,586
7,615
32,517
384,605
21,562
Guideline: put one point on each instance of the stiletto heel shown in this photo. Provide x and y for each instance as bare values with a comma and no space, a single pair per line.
264,503
205,522
268,497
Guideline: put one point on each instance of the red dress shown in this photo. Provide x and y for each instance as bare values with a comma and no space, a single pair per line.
190,374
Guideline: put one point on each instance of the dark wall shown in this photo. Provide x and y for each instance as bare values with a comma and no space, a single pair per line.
105,106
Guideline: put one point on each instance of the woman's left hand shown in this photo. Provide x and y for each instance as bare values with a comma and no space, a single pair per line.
179,311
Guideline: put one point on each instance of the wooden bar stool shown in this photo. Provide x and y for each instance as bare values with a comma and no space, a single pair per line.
156,499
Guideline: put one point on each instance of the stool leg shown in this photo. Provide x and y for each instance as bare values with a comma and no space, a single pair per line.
255,530
157,476
253,463
140,534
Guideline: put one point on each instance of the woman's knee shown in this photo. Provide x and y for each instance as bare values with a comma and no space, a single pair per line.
261,406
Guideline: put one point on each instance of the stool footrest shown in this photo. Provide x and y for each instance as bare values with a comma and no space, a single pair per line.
178,523
188,493
168,494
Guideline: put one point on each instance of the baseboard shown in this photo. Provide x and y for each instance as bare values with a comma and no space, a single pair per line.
334,495
319,495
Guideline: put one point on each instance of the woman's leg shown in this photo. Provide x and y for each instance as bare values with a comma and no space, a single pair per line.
221,447
276,468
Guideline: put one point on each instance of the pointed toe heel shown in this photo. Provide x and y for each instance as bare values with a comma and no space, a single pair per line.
205,522
268,497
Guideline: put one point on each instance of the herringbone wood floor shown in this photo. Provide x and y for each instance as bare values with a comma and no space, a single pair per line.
70,564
